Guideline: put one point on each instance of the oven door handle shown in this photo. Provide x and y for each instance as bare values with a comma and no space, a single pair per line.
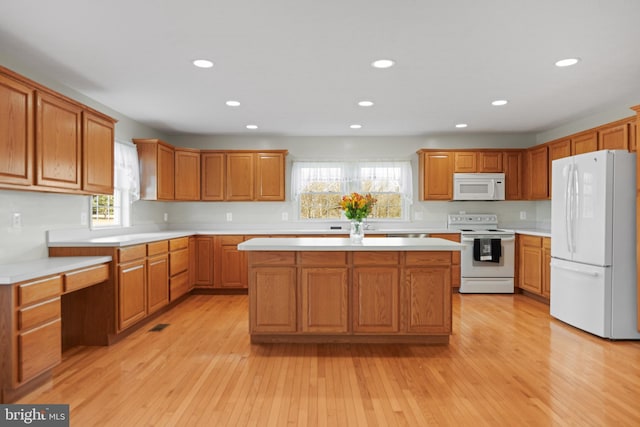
504,239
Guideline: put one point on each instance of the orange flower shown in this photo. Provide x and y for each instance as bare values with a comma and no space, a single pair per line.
356,206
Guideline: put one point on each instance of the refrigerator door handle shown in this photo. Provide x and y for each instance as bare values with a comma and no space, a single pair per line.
576,201
574,270
567,208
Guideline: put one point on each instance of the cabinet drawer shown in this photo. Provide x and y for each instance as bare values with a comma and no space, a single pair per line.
39,290
38,314
39,349
178,286
272,258
156,248
323,258
86,277
375,258
180,243
531,241
131,253
428,258
178,261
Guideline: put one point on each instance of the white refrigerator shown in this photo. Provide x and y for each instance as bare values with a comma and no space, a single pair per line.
593,243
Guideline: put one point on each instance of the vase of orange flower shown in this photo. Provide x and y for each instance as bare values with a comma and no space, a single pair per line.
357,207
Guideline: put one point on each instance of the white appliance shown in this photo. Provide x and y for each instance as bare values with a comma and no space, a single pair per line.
593,252
478,186
489,275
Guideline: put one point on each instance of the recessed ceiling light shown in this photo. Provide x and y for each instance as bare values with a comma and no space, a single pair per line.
461,125
233,103
252,127
567,62
499,102
383,63
365,103
355,126
203,63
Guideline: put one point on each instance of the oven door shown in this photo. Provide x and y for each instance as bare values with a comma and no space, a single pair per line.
472,268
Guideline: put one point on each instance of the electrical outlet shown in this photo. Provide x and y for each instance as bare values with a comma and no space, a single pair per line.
523,215
83,218
16,220
229,216
166,217
285,216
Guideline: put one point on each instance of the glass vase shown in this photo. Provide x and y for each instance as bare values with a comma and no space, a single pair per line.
356,233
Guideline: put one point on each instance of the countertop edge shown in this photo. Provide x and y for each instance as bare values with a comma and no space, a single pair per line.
399,244
27,270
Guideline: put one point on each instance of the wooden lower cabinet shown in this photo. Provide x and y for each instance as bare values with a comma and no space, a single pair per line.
158,282
132,293
534,257
40,349
455,257
375,299
546,267
231,264
204,256
273,300
427,298
324,293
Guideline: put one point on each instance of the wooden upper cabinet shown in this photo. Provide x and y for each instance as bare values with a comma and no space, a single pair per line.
240,176
156,169
538,173
465,162
614,137
97,153
16,132
270,169
490,161
513,171
436,175
584,143
213,176
58,142
633,135
559,149
187,174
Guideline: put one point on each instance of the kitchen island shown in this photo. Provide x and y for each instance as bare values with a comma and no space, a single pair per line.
384,290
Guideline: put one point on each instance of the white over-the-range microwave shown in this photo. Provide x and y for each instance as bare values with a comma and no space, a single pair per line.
478,186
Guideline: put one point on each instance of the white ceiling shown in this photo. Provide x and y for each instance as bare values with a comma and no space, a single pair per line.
299,67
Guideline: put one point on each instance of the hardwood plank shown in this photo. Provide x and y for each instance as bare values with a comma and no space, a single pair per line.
508,362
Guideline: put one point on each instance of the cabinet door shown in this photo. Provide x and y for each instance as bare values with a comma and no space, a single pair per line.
16,132
513,171
187,174
132,293
546,268
585,143
204,262
39,349
633,135
157,282
375,299
490,161
97,154
193,262
538,173
428,299
465,162
232,263
240,176
269,184
166,173
58,142
437,176
558,150
213,176
325,299
272,302
614,137
530,267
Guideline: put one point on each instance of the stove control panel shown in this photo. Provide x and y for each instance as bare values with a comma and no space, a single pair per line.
472,219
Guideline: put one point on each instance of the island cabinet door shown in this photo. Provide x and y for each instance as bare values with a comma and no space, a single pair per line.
272,300
375,299
428,299
325,299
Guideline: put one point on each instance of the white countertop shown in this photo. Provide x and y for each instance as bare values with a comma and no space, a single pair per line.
344,244
27,270
533,231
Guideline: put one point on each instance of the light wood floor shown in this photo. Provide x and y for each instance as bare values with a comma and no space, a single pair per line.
508,363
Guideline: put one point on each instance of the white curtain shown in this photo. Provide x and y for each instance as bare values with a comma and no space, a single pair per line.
377,176
127,170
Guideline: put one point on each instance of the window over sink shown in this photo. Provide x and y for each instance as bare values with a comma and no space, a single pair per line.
318,186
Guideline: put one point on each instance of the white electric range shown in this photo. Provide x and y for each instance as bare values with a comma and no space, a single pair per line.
486,272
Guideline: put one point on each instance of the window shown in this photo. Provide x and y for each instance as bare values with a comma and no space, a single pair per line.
319,186
115,210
